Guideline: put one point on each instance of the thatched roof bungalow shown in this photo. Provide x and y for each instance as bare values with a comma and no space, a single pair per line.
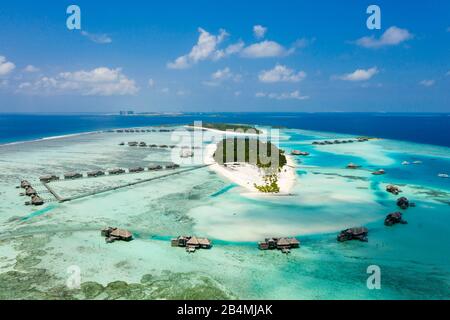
24,184
30,191
116,171
97,173
36,200
72,175
154,167
48,178
135,170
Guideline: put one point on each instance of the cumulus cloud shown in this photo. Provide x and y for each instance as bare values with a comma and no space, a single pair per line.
265,49
427,82
205,48
6,67
100,38
259,31
222,75
151,83
31,69
294,95
391,37
359,75
281,73
97,82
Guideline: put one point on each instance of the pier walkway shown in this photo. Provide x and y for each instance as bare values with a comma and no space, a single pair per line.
62,199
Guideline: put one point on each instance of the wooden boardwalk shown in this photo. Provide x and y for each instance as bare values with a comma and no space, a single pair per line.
61,199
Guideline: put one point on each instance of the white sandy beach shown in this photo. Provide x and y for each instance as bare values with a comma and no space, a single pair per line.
247,175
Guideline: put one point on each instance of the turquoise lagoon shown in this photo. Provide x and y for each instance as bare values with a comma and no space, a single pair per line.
39,245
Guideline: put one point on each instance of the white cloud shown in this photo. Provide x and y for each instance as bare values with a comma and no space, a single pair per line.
206,48
165,90
222,75
151,83
391,37
427,82
6,67
359,75
30,68
281,73
265,49
294,95
100,38
259,31
97,82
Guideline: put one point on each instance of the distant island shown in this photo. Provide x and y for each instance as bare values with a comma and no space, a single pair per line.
229,126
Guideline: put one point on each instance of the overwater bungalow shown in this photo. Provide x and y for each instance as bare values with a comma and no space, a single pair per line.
284,244
172,166
97,173
72,175
394,218
299,153
35,201
116,171
48,178
24,184
351,165
136,169
163,146
154,167
403,203
191,243
122,144
119,131
133,143
142,144
153,146
30,191
393,189
357,233
112,234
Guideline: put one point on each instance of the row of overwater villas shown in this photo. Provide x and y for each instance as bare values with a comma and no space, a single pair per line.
116,171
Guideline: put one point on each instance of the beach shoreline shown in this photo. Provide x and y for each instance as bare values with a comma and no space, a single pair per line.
247,175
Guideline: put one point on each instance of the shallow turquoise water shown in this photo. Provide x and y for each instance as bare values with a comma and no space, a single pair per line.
413,258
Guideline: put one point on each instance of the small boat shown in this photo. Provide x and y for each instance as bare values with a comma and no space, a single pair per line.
351,165
417,162
379,172
443,175
405,163
299,153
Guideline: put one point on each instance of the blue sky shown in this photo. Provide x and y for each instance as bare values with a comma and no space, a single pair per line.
298,56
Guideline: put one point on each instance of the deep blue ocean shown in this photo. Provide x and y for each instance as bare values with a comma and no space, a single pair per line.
426,128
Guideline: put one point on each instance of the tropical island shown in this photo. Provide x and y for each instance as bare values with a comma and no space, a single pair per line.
258,166
228,127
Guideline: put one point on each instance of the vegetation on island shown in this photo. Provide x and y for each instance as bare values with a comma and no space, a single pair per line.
270,186
265,155
229,126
